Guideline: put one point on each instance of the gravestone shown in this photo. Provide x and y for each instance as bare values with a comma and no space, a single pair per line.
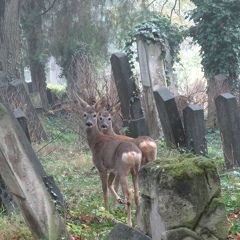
20,116
152,76
124,232
16,96
229,125
37,103
132,112
169,117
30,88
18,170
195,129
181,199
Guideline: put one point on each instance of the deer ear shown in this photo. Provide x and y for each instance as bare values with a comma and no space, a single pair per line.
100,104
81,101
115,109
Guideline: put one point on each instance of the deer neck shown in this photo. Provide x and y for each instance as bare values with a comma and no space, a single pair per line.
93,134
109,131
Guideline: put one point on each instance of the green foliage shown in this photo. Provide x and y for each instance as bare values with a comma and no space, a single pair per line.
58,90
157,29
217,31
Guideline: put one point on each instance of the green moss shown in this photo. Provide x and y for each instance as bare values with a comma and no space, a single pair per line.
182,166
2,110
215,203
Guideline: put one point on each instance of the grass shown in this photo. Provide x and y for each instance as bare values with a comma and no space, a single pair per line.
68,160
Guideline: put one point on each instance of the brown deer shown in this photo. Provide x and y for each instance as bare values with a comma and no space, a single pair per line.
109,154
146,144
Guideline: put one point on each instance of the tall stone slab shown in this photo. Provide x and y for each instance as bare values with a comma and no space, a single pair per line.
194,127
229,125
22,120
132,112
170,118
152,76
17,167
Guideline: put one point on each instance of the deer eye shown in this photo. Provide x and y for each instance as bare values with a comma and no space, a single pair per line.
84,114
100,118
94,115
109,119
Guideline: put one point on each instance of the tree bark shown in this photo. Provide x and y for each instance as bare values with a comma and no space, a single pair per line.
34,35
10,46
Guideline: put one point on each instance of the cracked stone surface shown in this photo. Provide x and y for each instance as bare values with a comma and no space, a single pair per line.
180,190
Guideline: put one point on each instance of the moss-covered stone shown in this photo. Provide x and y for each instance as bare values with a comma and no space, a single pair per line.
183,186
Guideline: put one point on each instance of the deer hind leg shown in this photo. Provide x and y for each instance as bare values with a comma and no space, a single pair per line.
128,193
136,188
116,187
103,176
112,190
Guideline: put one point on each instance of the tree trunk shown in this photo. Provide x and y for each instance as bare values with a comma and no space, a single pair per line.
10,51
34,35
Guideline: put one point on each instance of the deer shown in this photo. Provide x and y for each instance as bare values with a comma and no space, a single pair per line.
146,144
109,154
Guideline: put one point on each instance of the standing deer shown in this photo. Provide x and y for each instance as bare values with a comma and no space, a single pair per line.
146,144
109,154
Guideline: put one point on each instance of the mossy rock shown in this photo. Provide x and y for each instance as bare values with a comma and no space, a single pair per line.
183,187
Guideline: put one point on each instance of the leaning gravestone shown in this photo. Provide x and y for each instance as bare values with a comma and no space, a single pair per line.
124,232
181,199
17,167
194,127
132,111
16,96
20,116
169,117
229,125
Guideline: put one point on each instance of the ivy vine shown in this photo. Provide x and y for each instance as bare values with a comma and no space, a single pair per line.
217,31
156,29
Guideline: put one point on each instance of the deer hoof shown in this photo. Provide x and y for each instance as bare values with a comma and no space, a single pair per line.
121,201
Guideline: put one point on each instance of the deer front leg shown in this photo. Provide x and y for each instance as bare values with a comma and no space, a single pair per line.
112,190
103,176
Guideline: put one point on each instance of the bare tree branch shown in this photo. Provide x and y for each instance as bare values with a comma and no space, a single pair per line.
150,3
173,8
54,1
164,5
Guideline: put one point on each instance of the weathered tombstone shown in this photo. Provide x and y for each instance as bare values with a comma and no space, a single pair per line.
20,116
132,112
181,199
18,169
169,117
16,96
152,76
123,232
195,129
30,88
37,103
49,96
229,125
